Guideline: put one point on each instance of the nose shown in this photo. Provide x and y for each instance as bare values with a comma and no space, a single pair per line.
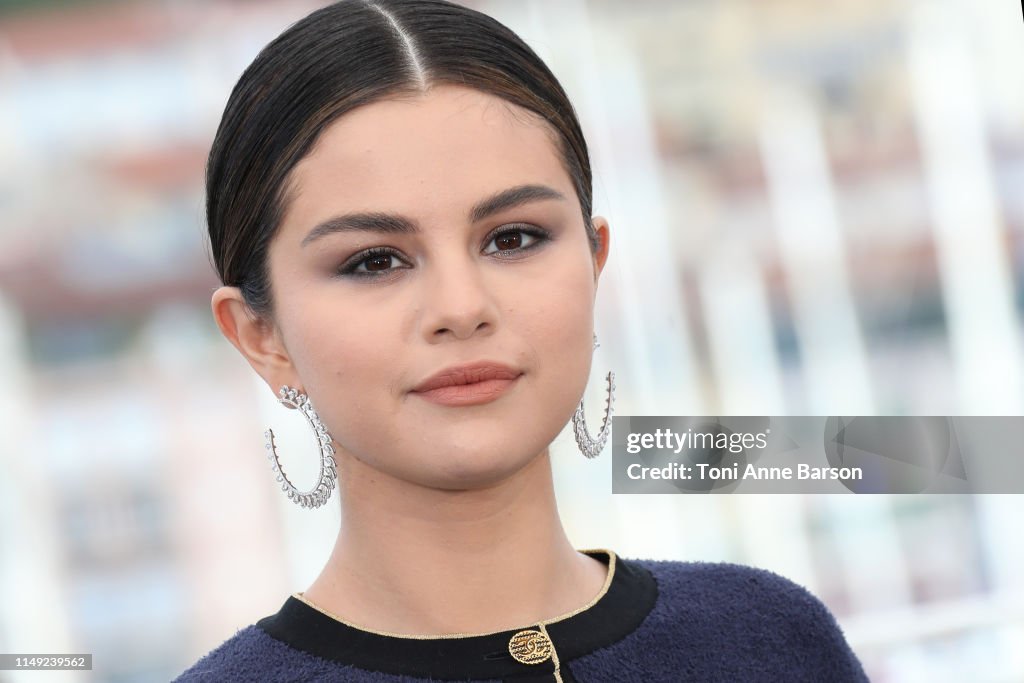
458,301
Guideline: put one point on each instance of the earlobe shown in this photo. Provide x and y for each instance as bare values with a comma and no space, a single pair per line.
255,338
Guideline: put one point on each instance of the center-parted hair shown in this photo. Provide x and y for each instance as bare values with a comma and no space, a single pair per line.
340,57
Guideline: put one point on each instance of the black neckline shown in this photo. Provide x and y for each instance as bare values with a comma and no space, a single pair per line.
627,601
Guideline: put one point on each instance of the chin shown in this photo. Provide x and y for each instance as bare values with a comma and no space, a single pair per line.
463,467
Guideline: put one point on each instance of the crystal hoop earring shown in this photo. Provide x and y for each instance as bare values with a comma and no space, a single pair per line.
318,495
591,447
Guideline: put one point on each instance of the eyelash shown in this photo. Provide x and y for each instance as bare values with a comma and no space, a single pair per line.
539,235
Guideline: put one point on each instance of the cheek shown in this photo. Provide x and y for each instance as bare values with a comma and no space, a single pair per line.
561,302
354,374
554,314
344,338
346,354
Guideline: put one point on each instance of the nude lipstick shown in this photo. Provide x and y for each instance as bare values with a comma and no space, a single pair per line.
470,384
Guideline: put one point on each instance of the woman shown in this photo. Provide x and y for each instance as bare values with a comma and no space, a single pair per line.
399,206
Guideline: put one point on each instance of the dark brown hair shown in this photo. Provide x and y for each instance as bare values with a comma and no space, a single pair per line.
342,56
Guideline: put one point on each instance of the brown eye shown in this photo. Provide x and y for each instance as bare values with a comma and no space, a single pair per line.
380,262
374,263
510,240
515,241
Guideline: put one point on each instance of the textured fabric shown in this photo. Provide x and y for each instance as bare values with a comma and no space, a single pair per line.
726,622
710,622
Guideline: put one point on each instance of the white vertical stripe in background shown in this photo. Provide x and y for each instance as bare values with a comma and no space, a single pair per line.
977,286
740,338
811,249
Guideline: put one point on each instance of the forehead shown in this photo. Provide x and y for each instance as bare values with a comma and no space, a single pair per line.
425,156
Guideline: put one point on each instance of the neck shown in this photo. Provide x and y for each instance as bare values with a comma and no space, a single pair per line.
415,560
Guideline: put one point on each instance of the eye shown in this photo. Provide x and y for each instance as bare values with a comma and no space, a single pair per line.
516,240
373,263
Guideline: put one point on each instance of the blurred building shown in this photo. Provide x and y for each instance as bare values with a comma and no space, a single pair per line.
828,199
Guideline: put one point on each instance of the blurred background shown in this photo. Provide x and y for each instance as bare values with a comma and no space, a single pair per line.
817,208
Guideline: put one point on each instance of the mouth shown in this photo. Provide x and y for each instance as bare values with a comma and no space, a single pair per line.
470,384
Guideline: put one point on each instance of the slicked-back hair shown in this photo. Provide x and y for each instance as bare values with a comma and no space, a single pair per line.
340,57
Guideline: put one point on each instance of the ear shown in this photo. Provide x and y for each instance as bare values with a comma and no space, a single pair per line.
603,231
257,339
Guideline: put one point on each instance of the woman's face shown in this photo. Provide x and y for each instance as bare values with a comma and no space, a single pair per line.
423,263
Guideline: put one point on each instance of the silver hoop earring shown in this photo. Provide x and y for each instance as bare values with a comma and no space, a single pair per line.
318,495
591,447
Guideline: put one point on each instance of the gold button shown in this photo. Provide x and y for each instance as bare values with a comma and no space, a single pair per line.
530,647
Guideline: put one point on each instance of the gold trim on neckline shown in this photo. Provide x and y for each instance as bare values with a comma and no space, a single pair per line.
604,589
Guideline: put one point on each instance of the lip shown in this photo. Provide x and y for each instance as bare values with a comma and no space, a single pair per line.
469,384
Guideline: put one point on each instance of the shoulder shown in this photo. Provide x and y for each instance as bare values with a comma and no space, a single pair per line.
234,659
253,655
769,622
739,596
724,587
223,658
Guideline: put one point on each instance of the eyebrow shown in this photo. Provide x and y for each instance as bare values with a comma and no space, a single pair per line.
389,223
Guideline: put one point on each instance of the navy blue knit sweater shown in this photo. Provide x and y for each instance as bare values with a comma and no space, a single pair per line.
655,621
